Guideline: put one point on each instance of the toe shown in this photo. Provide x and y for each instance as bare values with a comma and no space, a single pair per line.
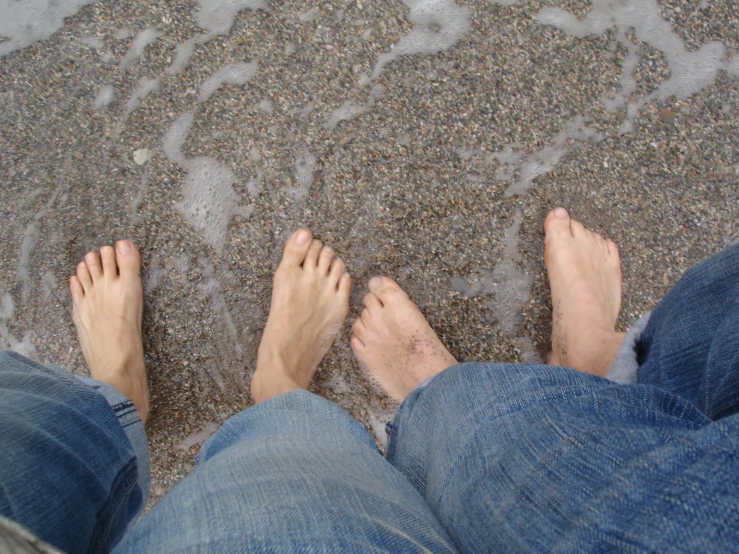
83,274
357,345
311,259
358,327
75,287
557,223
385,288
345,284
94,266
128,258
296,248
577,229
612,249
107,255
325,258
371,302
336,270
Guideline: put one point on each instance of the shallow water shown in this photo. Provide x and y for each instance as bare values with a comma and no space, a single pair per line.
425,140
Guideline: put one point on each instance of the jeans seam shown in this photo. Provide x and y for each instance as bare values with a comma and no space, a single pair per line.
128,485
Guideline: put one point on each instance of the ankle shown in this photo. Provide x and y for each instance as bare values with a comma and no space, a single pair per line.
269,382
595,353
134,389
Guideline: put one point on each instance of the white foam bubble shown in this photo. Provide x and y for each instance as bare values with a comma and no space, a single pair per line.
92,42
509,159
184,53
266,107
379,417
104,97
255,156
529,354
628,82
146,87
23,23
542,161
176,137
7,306
217,16
512,286
182,265
123,33
440,24
303,112
310,15
209,200
199,437
376,93
142,40
338,384
49,284
24,346
236,73
211,286
151,278
305,165
347,110
30,240
254,186
690,71
733,66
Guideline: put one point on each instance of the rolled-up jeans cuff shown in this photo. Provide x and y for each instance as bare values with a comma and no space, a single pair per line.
128,417
624,368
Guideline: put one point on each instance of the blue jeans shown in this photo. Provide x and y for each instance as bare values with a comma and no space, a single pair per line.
484,457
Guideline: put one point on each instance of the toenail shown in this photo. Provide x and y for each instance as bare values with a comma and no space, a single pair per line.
560,212
375,282
123,247
302,237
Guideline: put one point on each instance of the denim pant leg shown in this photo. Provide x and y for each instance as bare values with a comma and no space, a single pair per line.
293,474
690,346
68,470
538,458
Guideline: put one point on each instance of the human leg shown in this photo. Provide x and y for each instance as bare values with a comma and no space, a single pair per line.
690,346
392,338
543,458
294,473
76,468
526,457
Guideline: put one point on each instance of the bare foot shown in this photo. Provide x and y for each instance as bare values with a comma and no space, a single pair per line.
310,301
585,277
108,304
394,341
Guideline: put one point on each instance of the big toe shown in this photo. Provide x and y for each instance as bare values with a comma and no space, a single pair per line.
386,289
128,258
557,223
296,248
